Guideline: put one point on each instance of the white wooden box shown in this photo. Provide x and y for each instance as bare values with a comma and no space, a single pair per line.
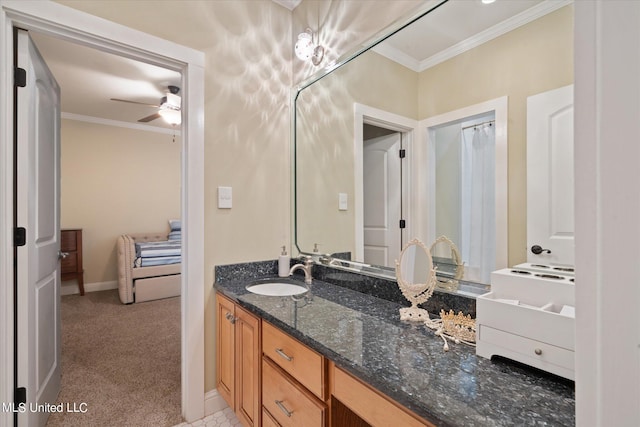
529,319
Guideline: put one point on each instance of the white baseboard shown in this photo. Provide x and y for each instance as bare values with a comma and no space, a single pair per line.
71,287
213,402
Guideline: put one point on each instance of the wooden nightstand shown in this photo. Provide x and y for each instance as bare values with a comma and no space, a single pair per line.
71,265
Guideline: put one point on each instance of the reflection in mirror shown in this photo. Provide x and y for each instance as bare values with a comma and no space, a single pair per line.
415,265
467,184
416,279
517,58
448,263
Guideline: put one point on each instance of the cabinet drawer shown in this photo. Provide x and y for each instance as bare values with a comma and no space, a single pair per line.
68,240
541,323
289,403
369,404
268,420
531,352
69,264
302,363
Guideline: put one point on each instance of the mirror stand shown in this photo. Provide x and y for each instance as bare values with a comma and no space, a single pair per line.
416,279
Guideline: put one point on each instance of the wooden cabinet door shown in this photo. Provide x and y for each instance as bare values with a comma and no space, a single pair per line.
225,347
248,399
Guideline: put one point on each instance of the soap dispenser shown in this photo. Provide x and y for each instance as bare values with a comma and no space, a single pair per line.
283,263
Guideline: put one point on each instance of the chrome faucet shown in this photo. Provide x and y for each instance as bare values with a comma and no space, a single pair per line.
306,267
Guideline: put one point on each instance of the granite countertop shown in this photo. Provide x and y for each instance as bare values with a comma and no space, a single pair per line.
364,335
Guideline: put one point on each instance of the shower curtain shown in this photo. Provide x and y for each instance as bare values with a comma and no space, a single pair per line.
478,230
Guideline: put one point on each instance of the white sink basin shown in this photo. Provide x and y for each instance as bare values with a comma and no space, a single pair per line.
280,289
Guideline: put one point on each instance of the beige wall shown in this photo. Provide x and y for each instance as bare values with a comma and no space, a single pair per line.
113,181
531,59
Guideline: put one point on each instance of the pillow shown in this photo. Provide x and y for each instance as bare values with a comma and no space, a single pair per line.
175,225
175,235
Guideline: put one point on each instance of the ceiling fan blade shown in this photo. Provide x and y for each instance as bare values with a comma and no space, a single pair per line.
134,102
149,118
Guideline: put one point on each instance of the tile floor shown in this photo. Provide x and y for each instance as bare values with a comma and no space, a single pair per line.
224,418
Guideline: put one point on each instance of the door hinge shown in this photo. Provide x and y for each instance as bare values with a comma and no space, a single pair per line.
403,223
403,153
21,77
21,396
20,236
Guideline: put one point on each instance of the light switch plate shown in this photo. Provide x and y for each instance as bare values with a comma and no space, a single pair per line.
225,197
343,201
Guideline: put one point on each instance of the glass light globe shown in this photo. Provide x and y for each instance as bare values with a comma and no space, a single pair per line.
304,46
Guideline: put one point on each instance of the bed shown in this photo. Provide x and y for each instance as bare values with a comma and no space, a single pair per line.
148,267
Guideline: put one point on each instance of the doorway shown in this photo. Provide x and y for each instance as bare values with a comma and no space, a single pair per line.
389,139
446,156
116,177
383,194
462,191
61,21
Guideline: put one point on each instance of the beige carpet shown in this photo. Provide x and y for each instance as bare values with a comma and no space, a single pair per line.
123,361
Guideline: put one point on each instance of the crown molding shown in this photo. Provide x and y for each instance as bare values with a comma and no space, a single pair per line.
489,34
396,55
118,123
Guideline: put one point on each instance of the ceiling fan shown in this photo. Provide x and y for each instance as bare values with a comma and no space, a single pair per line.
169,107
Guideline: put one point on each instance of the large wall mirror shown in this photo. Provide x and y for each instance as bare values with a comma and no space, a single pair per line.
423,134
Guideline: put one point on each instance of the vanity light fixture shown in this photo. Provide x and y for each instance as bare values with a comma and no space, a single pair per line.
306,49
488,1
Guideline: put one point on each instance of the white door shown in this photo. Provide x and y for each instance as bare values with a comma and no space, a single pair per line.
550,183
382,188
38,191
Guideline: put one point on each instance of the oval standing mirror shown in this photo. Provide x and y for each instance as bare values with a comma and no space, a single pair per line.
448,263
416,279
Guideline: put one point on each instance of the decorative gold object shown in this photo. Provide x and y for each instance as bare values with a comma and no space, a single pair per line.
416,279
457,327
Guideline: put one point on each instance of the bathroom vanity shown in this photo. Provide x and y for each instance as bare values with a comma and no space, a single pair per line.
353,362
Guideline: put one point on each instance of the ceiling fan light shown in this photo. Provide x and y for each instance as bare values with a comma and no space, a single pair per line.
171,116
172,101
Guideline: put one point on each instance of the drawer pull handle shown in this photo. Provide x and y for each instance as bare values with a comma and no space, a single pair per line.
230,317
538,351
284,355
283,408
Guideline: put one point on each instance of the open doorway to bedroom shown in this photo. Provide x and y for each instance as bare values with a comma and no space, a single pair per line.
119,177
